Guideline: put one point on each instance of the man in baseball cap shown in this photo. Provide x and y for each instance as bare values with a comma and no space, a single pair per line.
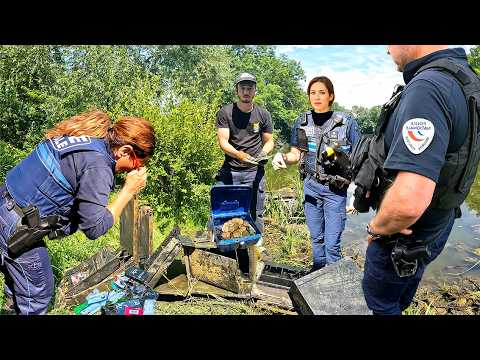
244,132
245,77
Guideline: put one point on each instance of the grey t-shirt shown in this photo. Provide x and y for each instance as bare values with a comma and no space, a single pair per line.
246,131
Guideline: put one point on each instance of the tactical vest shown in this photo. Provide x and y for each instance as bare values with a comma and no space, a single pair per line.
318,138
38,179
458,172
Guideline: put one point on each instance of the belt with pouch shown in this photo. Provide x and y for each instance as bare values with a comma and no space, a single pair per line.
32,228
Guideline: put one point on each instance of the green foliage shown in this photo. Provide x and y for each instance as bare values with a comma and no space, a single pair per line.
191,71
473,198
278,83
185,163
474,58
9,156
178,88
366,117
28,79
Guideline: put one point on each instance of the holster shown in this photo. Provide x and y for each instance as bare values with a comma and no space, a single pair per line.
25,238
405,256
31,230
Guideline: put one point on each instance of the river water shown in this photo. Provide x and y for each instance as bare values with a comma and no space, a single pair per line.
457,256
459,253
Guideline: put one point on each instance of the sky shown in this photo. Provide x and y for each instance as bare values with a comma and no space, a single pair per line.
362,75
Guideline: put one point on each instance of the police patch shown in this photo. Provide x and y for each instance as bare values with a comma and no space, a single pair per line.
418,134
66,142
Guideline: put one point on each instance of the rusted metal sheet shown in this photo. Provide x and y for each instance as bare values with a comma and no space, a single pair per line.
217,270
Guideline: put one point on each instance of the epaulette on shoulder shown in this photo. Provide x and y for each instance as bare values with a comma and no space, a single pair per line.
340,118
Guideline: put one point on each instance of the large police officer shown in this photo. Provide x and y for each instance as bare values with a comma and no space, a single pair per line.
321,140
61,186
420,165
244,132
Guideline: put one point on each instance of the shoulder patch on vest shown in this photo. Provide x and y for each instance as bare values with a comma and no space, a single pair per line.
67,142
338,119
418,134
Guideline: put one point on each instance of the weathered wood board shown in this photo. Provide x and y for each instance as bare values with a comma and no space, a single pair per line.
128,228
136,231
69,294
144,247
180,286
159,262
272,295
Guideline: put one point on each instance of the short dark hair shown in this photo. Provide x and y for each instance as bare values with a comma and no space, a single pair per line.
325,81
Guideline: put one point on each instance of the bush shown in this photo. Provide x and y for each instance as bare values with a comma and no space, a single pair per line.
9,157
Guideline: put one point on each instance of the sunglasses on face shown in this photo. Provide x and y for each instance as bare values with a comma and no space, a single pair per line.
137,163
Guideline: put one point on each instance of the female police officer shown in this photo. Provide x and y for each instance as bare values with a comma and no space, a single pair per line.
325,186
61,186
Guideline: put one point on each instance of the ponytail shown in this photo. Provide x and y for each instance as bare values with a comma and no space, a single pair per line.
133,131
93,123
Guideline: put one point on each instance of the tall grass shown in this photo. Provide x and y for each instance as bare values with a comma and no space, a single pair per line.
286,237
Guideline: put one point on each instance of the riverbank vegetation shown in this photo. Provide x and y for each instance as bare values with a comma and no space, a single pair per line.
179,89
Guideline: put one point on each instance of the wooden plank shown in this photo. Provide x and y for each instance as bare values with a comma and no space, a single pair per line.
128,228
89,272
161,260
145,234
186,262
273,295
199,242
174,233
180,286
104,285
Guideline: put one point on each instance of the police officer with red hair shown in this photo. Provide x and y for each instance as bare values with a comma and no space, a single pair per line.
63,185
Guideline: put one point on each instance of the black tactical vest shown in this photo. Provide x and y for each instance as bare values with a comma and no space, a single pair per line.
458,172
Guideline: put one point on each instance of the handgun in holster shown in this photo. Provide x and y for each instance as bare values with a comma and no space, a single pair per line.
32,230
405,259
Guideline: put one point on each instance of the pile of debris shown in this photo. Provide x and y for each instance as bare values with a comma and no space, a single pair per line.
112,284
129,295
129,281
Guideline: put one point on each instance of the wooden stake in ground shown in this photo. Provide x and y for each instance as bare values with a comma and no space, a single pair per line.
136,231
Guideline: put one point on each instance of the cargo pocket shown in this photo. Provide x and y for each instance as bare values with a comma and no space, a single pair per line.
36,269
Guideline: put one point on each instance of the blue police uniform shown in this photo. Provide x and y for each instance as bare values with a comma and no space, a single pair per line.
324,205
434,96
67,176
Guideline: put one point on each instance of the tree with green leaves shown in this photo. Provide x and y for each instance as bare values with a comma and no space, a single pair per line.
474,58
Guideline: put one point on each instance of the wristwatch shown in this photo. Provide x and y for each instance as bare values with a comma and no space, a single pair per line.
372,234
